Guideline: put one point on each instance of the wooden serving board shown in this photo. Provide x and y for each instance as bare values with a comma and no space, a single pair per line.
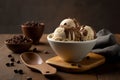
92,60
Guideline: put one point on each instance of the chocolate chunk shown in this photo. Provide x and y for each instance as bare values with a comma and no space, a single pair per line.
85,32
65,23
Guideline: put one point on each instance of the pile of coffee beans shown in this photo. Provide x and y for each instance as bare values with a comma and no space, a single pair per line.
33,24
18,39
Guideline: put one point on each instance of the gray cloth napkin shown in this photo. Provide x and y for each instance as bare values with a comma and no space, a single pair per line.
107,45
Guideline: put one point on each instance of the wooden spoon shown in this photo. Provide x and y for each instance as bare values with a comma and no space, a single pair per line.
34,61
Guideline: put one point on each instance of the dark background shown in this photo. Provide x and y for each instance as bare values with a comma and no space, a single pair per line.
97,13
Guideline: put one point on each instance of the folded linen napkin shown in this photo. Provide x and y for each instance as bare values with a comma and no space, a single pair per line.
107,45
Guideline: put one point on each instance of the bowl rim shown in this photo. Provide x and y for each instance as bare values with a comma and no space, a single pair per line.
50,39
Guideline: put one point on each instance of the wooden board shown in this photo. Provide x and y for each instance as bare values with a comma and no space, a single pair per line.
91,61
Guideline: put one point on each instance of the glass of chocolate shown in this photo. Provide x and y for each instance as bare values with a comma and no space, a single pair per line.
33,30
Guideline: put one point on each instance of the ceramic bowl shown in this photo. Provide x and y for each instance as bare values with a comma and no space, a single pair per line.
71,51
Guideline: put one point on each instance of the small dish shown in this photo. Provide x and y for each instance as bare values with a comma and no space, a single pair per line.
71,51
16,44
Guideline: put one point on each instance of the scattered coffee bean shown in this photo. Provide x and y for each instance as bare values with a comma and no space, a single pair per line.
12,59
18,62
87,57
20,71
74,64
8,64
47,71
9,55
46,52
35,50
11,64
29,78
16,71
79,65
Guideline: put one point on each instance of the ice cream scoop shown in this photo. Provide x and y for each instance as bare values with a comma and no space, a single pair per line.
70,30
70,22
59,34
87,33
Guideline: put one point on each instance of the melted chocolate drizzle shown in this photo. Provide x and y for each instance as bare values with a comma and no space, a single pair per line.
74,34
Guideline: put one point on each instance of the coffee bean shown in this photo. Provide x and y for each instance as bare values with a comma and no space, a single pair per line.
8,64
11,64
47,71
74,64
79,65
32,24
12,59
46,52
29,78
18,62
35,50
9,55
18,39
87,57
20,71
16,71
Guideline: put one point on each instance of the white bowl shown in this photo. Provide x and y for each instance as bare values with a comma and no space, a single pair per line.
71,51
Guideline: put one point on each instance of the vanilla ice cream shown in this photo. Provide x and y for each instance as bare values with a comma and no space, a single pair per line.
87,33
70,22
59,34
70,30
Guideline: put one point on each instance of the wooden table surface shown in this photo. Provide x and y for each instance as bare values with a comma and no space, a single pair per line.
107,71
